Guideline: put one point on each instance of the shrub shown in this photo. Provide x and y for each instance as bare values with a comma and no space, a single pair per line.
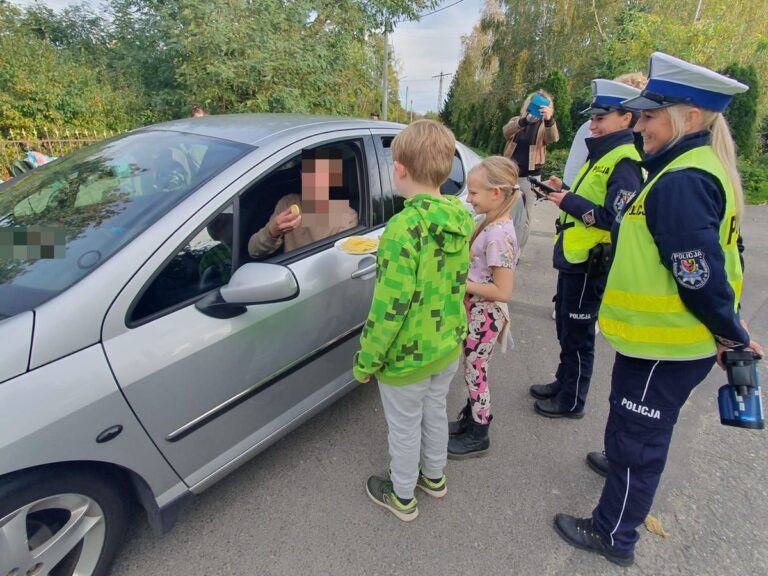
555,163
754,177
742,112
557,85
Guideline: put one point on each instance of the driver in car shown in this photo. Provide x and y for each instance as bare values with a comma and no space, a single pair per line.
319,216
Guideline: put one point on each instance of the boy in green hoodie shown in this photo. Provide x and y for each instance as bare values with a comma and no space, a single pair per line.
412,340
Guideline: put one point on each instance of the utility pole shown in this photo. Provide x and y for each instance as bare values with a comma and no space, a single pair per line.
385,74
440,90
411,111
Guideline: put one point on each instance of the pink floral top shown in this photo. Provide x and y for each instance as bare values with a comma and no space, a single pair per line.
495,246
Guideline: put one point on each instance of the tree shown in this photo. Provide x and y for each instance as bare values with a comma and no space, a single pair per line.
557,85
582,40
143,61
742,112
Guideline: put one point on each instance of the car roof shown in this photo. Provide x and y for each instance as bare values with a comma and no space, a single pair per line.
254,128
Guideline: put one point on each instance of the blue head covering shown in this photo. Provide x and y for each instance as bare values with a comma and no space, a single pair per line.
674,81
608,95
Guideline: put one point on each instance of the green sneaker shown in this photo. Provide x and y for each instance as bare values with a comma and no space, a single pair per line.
435,489
381,492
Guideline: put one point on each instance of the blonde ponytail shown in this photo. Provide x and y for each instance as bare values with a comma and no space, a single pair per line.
497,172
721,141
725,148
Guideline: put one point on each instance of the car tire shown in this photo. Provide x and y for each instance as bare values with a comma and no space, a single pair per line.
61,521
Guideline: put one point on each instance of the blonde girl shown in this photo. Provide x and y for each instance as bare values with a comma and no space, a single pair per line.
493,190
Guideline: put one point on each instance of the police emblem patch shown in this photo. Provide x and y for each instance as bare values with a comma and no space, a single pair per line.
623,198
588,218
690,269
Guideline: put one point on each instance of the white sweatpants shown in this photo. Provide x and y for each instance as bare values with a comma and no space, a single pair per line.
418,428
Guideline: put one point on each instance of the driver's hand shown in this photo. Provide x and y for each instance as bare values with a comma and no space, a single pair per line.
283,223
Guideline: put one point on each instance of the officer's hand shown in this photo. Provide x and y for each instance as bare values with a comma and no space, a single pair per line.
554,181
557,197
547,112
756,348
753,347
284,222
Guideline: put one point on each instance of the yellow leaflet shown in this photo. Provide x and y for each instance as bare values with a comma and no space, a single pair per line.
654,526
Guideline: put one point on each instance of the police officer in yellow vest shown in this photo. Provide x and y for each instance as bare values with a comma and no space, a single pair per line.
671,304
610,176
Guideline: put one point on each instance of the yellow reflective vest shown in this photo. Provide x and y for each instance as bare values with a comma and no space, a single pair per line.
642,314
579,238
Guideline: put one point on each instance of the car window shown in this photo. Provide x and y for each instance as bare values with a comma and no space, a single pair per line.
66,218
204,263
395,203
456,179
323,183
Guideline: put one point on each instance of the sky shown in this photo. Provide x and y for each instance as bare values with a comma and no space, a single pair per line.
422,49
433,45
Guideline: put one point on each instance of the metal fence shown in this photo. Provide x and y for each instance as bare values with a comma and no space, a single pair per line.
49,142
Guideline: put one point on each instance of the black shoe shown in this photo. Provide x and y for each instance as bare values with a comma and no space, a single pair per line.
580,533
460,425
599,463
474,442
544,391
552,409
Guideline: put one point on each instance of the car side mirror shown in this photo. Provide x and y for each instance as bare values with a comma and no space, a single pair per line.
253,283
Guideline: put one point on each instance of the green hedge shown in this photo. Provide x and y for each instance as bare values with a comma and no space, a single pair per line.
754,177
555,163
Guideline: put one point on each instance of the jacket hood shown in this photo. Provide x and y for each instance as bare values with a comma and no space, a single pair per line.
448,222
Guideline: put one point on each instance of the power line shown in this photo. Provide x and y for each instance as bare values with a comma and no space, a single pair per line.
433,11
441,9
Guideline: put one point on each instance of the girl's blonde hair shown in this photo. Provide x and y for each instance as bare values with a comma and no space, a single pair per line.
527,101
497,172
720,139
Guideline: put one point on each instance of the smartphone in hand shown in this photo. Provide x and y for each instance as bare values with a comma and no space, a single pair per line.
540,188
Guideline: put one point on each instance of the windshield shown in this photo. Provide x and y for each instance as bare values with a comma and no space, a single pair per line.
64,219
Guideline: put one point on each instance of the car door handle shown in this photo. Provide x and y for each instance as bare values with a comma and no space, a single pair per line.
360,272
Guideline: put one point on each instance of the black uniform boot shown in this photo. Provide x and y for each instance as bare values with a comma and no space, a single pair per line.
580,533
543,391
599,463
460,425
474,442
552,409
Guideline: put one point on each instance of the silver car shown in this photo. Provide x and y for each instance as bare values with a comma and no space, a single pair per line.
145,353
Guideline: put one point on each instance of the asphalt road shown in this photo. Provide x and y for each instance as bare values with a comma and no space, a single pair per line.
300,508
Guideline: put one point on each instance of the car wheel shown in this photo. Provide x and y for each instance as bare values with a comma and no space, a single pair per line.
60,522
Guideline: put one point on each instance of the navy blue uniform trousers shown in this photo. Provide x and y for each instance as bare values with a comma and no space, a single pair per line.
646,397
576,304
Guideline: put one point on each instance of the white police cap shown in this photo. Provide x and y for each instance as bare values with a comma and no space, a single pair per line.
674,81
608,95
